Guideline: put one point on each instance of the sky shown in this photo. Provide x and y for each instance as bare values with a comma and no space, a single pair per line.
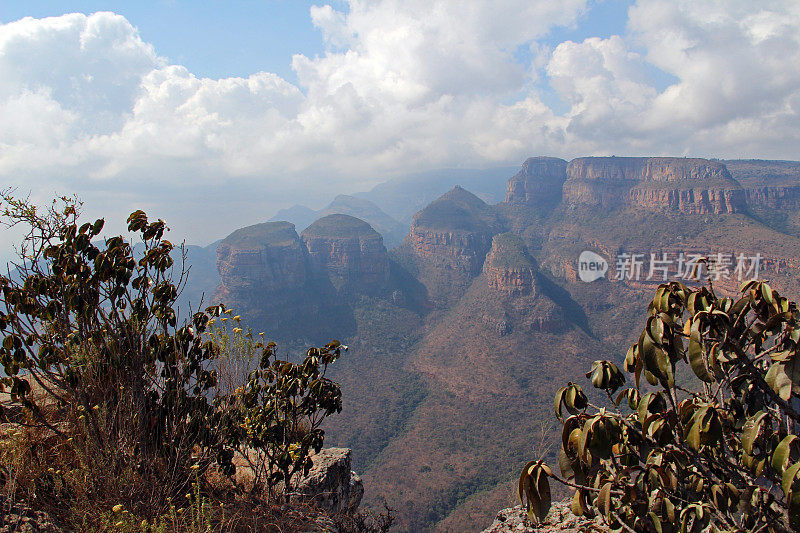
214,115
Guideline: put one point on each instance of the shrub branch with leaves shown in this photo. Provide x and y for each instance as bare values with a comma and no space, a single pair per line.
720,453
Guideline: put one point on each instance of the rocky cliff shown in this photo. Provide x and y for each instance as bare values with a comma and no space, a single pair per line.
449,241
265,257
690,186
454,232
538,183
768,184
279,281
347,251
508,267
265,276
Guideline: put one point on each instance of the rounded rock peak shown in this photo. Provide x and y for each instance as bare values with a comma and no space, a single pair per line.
264,234
456,210
340,226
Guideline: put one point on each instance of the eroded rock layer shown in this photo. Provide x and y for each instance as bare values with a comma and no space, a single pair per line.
348,251
539,182
265,257
454,232
691,186
508,267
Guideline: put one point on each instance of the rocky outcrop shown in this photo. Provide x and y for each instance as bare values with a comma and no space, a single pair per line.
448,243
539,183
560,518
786,197
451,250
265,257
330,483
347,251
690,186
508,267
454,232
265,276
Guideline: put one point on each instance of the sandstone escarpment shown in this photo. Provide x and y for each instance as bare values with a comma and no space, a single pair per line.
448,243
780,197
347,251
508,267
265,276
262,258
538,183
690,186
768,184
454,232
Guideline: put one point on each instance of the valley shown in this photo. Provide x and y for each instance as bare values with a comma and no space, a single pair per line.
460,334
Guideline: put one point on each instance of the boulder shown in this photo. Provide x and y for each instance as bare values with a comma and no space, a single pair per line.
330,483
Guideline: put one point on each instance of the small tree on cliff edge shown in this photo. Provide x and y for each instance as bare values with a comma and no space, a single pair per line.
723,454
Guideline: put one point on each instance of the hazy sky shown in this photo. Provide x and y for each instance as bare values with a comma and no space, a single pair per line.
213,115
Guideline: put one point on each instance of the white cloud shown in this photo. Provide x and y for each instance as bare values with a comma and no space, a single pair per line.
85,104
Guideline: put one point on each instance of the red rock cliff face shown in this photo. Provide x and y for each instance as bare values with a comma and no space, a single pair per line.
265,276
691,186
348,251
538,183
454,232
778,197
690,201
508,267
450,250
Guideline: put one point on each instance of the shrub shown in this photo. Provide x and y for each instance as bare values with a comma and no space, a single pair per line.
715,447
115,405
277,415
124,390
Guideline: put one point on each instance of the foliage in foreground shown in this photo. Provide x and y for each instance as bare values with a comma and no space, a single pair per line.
722,453
111,404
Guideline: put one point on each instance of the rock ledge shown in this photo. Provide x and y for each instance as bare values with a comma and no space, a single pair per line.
559,519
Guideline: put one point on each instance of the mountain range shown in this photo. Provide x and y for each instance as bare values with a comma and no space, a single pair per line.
460,333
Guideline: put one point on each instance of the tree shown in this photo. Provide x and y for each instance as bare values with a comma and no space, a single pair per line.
716,446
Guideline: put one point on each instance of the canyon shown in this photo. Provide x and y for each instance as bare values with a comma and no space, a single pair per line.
460,334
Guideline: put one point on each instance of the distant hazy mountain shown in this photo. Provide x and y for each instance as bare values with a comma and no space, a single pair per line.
302,217
403,196
299,215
